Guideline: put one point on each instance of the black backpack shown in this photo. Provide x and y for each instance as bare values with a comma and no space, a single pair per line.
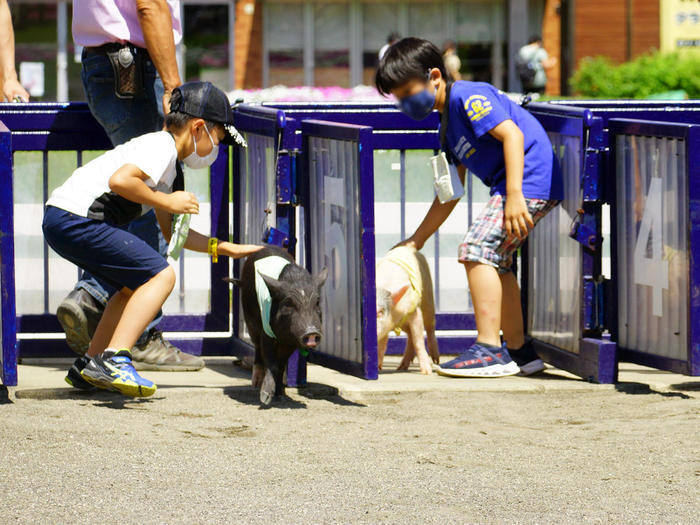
526,70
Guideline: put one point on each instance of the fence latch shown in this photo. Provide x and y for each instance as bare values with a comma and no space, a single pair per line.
582,233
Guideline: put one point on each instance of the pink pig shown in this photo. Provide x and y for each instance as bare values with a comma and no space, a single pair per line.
405,302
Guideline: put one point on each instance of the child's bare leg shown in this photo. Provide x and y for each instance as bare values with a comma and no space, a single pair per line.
108,322
141,308
485,288
512,311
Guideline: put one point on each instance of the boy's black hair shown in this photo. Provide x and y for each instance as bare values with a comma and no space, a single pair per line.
534,38
176,120
408,59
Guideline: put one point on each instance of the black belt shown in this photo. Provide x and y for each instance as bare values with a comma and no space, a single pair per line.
112,47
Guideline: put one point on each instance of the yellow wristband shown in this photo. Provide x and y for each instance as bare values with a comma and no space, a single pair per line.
213,249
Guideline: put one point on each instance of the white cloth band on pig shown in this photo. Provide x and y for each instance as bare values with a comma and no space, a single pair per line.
405,258
270,267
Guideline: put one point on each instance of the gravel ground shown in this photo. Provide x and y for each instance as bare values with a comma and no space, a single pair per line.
209,455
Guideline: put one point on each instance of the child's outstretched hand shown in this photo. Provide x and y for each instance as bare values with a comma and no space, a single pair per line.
183,202
517,220
237,251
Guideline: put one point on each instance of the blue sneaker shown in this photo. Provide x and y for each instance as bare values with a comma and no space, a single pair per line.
112,370
480,361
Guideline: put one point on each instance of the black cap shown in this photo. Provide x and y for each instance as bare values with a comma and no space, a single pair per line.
204,100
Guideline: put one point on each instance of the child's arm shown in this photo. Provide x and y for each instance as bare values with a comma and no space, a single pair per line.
128,181
517,220
200,243
437,214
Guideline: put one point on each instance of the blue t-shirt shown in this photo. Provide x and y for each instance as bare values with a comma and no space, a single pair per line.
476,108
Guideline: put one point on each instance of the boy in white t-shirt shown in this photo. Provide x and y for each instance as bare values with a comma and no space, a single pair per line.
84,216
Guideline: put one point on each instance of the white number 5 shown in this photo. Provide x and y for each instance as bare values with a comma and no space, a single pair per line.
652,272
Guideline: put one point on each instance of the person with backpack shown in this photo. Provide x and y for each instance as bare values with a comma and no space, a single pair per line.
532,64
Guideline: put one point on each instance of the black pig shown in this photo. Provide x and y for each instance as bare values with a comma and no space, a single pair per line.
294,315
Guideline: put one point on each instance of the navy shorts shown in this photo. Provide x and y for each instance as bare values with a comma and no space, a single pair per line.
108,252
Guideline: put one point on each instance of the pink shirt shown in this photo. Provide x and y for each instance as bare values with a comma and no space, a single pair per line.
97,22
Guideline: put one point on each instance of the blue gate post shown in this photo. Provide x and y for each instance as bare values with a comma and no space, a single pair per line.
8,335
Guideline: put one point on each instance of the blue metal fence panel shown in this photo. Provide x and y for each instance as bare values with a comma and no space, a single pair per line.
404,140
656,169
49,128
340,219
562,289
8,326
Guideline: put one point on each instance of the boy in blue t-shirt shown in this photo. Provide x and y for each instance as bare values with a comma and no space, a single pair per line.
506,147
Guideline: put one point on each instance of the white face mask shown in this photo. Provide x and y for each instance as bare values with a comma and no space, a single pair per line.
195,161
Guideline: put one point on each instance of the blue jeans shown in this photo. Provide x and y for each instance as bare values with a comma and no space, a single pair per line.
124,119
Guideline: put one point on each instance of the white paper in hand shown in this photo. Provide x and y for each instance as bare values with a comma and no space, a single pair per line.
181,229
446,181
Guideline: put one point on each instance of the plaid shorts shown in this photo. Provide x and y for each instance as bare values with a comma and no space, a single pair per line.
486,241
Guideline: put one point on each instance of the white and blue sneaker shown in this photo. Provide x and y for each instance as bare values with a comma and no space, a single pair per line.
480,360
112,370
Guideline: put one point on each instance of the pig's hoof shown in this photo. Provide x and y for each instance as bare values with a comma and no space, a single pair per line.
267,389
258,375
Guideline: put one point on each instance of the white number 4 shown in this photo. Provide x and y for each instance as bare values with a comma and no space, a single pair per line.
652,272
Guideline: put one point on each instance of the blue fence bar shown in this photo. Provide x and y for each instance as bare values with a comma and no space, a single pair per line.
8,326
656,234
339,205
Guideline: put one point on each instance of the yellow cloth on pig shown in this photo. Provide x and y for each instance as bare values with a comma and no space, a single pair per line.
406,259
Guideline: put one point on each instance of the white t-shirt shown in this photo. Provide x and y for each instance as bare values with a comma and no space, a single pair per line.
87,193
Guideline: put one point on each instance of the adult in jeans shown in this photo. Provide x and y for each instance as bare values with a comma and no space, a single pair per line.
128,72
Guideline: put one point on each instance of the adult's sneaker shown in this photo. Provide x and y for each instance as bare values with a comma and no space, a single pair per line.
74,379
527,359
158,354
112,370
480,360
79,314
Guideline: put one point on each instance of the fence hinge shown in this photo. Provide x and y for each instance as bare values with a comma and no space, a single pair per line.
592,177
285,184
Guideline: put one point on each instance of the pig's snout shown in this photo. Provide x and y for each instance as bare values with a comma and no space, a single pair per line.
311,339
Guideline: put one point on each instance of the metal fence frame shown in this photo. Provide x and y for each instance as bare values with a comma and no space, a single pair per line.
8,325
691,135
45,127
48,127
595,358
360,139
391,130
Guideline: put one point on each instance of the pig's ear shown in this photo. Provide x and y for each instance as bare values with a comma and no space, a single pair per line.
232,280
276,287
398,293
321,277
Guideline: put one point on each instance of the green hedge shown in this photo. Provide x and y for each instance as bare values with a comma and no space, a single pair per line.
598,77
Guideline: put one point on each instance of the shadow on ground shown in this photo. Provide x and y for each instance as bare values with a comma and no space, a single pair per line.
636,389
249,395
